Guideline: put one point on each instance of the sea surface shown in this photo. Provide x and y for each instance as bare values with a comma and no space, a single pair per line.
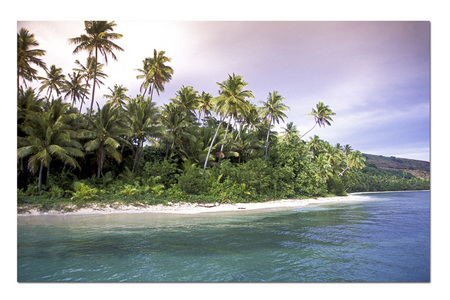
377,237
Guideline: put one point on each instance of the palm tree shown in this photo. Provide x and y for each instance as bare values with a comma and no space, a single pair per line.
143,117
272,111
315,145
347,149
333,154
354,160
322,116
205,105
324,166
246,143
88,74
253,119
28,103
26,57
176,122
118,97
290,132
54,81
155,73
107,128
98,38
187,99
49,137
230,102
75,88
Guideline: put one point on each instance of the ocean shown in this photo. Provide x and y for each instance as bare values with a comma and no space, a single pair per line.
376,237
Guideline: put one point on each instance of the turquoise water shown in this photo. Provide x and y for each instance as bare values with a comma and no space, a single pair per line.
382,237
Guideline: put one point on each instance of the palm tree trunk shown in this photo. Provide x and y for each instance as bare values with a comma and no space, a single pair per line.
152,89
135,159
267,140
167,149
40,177
84,96
342,173
141,152
95,77
224,138
100,159
305,134
136,156
210,147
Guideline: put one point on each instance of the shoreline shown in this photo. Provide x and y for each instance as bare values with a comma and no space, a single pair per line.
190,208
184,208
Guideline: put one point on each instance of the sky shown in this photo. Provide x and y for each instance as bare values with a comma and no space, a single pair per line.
375,75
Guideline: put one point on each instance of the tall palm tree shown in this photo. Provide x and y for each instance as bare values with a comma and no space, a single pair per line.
315,145
176,122
188,99
322,116
53,82
324,166
28,104
272,111
290,132
88,74
230,102
348,149
354,160
49,137
105,134
155,73
205,105
253,119
75,88
333,154
28,56
117,96
143,119
98,38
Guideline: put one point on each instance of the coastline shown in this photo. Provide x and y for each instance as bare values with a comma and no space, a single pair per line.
196,208
192,208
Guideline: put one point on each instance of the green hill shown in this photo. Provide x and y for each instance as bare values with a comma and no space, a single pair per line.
417,168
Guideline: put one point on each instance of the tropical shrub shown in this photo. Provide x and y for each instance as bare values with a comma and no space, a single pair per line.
335,186
152,186
83,192
166,169
129,190
191,181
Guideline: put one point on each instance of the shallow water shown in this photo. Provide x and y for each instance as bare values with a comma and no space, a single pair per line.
381,237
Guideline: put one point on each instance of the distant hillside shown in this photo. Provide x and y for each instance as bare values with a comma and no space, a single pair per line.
417,168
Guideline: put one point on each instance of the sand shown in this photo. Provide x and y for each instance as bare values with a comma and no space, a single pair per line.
194,208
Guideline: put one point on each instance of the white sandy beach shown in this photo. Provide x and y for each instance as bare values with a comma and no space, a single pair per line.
195,208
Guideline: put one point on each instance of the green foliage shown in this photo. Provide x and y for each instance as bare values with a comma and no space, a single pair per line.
191,181
83,192
336,186
152,186
56,192
129,190
166,169
373,179
213,158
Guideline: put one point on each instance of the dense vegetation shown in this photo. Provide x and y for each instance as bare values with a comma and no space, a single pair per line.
417,168
197,147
